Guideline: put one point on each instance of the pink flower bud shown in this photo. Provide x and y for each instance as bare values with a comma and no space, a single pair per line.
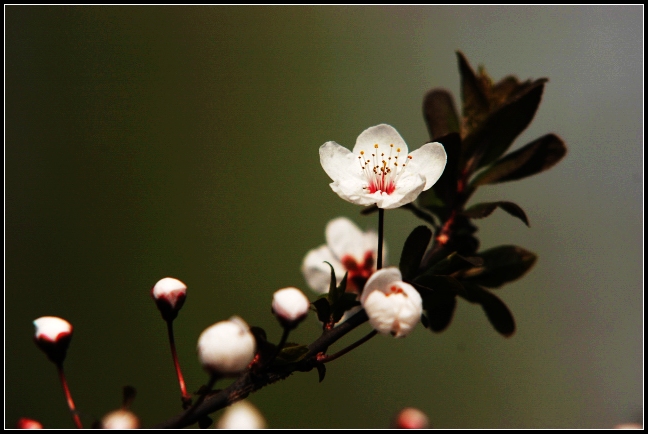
25,423
290,306
169,295
53,336
120,419
411,418
241,415
227,347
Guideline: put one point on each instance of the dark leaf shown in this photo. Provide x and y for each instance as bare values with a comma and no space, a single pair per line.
498,314
332,294
422,214
535,157
413,251
321,371
439,307
445,284
445,189
440,113
506,90
475,102
496,134
501,265
347,301
323,309
485,209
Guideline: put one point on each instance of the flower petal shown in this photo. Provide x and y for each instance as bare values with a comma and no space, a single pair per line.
383,135
343,237
380,280
339,163
317,273
428,161
351,190
407,190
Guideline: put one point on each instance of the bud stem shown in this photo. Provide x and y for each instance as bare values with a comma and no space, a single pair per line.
68,396
282,342
381,225
354,345
183,388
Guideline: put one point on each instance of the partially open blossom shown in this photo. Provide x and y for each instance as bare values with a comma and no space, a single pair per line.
290,306
227,347
347,249
393,306
25,423
380,170
169,295
53,336
241,415
120,419
411,418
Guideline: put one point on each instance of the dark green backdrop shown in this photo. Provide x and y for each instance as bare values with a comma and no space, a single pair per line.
144,142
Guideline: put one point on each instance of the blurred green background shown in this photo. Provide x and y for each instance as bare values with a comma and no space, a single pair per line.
145,142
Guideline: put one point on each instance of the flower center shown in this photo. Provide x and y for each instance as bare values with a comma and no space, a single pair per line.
394,289
358,274
382,171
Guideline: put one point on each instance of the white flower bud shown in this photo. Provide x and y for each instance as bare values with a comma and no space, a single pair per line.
169,295
227,347
120,419
53,335
411,418
290,306
241,415
393,306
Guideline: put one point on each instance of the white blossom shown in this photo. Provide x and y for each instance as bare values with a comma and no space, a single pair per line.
380,170
290,306
169,295
227,347
347,249
393,306
241,415
120,419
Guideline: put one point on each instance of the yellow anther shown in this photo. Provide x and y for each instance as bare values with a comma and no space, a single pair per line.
409,156
397,149
361,152
376,146
391,145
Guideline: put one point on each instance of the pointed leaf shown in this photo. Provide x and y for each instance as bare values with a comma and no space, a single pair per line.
485,209
475,103
321,371
332,294
497,312
445,284
535,157
501,265
440,113
496,133
422,214
413,251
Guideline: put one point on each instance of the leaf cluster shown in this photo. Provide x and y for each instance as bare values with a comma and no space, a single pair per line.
493,115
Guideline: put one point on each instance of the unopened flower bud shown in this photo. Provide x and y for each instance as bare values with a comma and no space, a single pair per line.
53,336
169,295
25,423
290,306
227,347
411,418
393,306
241,415
120,419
